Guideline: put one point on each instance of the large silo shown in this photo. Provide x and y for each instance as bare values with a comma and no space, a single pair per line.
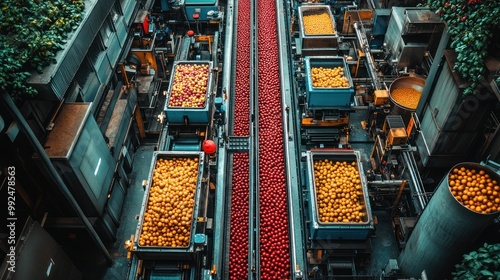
445,231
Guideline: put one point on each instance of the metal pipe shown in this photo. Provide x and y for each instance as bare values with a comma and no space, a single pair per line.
398,197
386,183
55,176
363,42
254,186
416,185
287,115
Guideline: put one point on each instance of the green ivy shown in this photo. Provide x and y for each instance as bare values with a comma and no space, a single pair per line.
470,24
481,264
31,34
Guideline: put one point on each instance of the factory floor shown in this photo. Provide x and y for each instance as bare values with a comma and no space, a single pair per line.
383,241
90,261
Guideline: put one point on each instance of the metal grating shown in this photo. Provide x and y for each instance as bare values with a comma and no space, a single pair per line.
394,121
238,143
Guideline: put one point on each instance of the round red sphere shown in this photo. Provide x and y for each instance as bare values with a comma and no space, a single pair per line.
209,147
190,33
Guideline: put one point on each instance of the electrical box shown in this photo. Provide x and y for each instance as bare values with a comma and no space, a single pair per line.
200,7
381,97
397,136
78,151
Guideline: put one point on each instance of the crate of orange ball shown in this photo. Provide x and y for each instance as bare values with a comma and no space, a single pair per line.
328,82
169,213
339,206
317,29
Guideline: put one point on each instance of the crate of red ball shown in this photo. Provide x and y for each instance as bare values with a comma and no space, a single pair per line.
188,98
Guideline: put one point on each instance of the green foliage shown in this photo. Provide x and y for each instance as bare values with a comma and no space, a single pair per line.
481,264
31,33
470,24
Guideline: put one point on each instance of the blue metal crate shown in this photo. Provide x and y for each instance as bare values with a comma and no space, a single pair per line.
327,98
337,230
186,114
165,252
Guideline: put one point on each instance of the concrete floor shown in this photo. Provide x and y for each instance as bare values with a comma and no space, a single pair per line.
130,212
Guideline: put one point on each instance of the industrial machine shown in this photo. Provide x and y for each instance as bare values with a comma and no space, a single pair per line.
385,155
382,50
366,174
411,32
38,255
449,117
185,120
361,165
88,168
325,114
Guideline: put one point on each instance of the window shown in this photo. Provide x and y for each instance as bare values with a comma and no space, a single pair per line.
115,12
106,30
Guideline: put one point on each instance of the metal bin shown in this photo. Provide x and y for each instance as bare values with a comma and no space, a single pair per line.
189,114
326,98
317,41
163,252
337,230
200,7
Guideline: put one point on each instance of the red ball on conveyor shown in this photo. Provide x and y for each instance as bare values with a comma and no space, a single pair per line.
209,146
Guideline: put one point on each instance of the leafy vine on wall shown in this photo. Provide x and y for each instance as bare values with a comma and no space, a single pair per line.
470,24
31,34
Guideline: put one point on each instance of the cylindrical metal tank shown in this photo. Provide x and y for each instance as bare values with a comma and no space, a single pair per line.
404,82
444,232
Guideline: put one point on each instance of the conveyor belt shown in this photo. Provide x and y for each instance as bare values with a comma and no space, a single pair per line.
238,92
274,231
239,143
